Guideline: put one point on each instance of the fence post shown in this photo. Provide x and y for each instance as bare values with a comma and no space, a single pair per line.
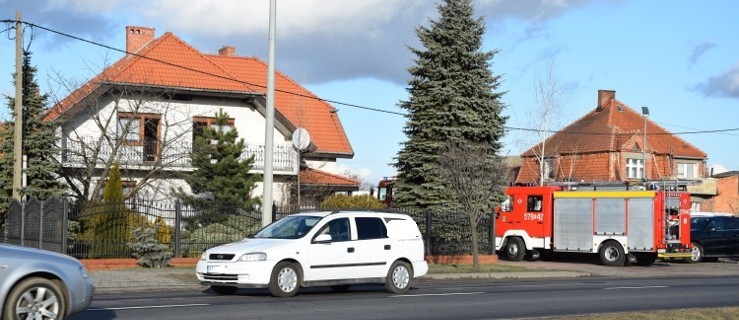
23,221
65,225
177,234
428,232
491,232
41,224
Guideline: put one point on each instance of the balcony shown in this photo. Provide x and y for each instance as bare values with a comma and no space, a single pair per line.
172,155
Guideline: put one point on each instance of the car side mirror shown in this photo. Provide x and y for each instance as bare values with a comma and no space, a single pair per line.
322,238
711,229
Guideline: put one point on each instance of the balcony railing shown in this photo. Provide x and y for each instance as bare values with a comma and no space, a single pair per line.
82,151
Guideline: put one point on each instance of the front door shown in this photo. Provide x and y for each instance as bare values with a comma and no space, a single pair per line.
334,259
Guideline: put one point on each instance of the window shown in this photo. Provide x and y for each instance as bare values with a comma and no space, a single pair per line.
338,229
199,124
548,169
370,228
138,128
534,203
686,170
634,168
128,129
695,206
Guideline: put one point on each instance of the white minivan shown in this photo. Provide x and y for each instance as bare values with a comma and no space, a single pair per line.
335,249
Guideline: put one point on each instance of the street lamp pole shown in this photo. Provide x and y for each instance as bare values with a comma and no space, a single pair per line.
645,112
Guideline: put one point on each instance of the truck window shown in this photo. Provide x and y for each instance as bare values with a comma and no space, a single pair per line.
534,203
507,205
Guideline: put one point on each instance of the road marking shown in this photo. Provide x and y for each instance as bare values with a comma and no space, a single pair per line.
153,307
644,287
436,294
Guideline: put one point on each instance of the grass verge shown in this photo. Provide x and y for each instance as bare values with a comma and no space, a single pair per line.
680,314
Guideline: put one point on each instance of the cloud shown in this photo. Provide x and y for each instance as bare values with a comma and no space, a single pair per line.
699,50
723,85
318,41
717,168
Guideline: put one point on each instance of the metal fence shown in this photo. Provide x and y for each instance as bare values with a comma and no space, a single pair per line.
99,230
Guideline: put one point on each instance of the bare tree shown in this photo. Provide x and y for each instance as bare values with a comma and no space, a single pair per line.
550,97
475,177
158,137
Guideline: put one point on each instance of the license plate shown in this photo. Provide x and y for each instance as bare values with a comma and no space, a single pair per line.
216,268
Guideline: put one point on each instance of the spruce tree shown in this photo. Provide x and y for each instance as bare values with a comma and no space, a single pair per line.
38,143
452,99
219,167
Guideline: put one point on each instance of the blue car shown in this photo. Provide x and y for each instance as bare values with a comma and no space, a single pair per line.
39,284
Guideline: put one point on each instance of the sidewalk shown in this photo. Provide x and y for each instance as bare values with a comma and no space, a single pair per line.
183,278
137,279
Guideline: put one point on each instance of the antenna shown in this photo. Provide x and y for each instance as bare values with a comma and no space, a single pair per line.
301,139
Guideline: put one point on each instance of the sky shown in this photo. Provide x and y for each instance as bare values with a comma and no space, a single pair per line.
678,58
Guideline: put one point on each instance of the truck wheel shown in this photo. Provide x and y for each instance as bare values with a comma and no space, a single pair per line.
515,249
285,280
612,254
697,253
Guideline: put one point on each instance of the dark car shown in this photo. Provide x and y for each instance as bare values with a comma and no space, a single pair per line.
714,236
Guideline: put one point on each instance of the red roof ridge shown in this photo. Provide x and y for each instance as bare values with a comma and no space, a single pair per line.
347,180
664,131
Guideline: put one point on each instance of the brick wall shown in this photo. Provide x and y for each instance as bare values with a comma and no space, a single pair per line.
727,198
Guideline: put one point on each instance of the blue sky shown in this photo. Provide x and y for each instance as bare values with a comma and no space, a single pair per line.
679,58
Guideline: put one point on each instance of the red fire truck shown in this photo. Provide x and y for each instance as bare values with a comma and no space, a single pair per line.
385,191
620,226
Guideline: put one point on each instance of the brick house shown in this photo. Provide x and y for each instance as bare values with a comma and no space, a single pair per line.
608,145
146,109
727,194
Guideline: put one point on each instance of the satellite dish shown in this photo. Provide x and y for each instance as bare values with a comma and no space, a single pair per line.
301,139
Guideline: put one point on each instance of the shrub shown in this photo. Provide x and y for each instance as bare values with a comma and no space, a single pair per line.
148,250
342,201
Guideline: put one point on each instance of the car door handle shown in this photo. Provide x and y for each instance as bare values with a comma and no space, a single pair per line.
387,247
350,249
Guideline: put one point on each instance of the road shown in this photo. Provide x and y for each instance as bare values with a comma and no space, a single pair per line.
470,299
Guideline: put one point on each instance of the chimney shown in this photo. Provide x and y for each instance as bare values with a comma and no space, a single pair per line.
227,51
138,37
603,97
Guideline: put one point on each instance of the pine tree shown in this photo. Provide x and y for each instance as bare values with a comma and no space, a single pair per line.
219,167
38,143
452,100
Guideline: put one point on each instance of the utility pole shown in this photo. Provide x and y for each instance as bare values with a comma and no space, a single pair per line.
269,127
18,133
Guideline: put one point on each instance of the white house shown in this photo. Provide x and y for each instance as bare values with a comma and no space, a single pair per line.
145,110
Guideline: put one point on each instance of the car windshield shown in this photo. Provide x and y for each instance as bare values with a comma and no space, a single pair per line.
291,227
699,223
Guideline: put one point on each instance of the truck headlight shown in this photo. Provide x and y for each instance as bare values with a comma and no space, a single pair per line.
252,257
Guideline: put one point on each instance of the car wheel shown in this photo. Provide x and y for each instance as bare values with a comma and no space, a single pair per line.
35,298
341,287
515,249
612,254
399,277
696,253
285,280
224,289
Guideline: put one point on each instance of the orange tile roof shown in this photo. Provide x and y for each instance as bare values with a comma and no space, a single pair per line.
170,62
615,127
315,177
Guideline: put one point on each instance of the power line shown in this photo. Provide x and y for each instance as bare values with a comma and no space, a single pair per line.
211,74
344,103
